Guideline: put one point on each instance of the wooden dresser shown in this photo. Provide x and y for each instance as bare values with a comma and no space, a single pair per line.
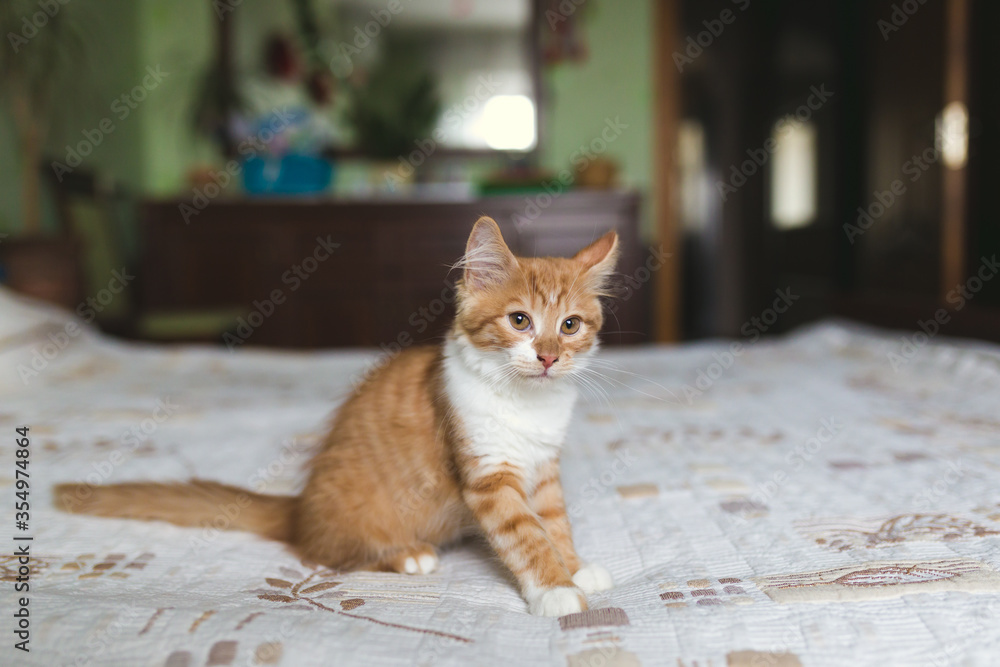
387,282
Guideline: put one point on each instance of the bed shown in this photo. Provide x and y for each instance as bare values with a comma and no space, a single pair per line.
825,498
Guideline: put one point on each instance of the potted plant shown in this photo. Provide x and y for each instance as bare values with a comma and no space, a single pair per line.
43,265
392,107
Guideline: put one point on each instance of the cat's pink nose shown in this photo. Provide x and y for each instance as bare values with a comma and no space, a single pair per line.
547,359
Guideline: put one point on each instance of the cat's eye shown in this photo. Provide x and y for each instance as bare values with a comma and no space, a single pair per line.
519,321
570,325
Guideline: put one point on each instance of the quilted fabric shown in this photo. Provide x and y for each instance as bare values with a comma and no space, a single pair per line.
812,500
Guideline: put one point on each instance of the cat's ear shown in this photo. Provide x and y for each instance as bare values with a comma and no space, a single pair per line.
488,261
599,257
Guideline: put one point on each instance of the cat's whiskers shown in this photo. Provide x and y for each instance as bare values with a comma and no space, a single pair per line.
600,393
617,321
611,366
602,376
595,389
499,379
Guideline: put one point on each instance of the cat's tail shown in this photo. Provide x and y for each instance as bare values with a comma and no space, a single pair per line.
198,503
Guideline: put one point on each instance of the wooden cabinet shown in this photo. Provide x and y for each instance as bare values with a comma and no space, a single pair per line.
389,277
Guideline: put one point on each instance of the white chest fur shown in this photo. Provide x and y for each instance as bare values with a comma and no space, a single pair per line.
513,424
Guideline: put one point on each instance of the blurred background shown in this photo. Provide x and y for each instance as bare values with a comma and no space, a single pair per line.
301,173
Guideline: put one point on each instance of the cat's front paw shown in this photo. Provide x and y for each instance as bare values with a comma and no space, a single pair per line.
558,602
592,578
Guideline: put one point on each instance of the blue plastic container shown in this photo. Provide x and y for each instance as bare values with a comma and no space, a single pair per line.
287,175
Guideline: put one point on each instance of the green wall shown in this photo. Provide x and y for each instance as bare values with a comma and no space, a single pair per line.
180,35
10,177
616,81
91,76
151,150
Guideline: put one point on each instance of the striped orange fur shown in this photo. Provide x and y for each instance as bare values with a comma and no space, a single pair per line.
442,442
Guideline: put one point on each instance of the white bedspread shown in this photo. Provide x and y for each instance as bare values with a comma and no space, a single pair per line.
807,505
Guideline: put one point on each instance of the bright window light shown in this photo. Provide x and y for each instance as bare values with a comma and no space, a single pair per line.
695,192
508,122
953,135
793,175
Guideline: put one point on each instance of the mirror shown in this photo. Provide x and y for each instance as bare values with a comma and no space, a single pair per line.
479,54
456,75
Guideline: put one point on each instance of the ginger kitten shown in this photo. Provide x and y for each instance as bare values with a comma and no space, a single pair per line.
443,440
